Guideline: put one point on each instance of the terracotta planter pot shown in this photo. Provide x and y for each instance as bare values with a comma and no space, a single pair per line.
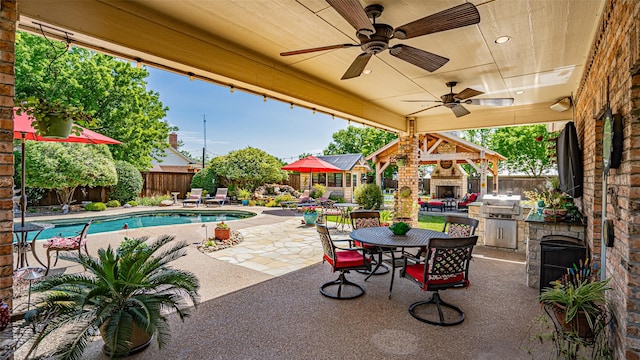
222,234
139,341
552,215
578,325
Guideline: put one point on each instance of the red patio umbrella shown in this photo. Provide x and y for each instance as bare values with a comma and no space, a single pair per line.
311,164
23,130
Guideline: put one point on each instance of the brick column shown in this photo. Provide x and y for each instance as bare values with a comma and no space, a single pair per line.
408,174
8,17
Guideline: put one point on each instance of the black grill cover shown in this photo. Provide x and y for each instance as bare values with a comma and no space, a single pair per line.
569,161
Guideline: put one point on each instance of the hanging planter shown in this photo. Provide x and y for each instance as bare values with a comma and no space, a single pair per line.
55,126
401,160
53,119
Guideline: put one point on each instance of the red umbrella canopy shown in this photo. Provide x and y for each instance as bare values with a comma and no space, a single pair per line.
311,164
22,125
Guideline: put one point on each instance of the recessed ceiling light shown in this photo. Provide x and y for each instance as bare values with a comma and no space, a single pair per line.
367,71
502,39
519,92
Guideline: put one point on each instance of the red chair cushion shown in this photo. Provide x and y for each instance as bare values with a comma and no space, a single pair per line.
58,242
346,259
363,245
416,271
435,203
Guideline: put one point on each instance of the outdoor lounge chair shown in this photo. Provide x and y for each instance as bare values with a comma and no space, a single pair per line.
195,197
219,198
73,243
446,266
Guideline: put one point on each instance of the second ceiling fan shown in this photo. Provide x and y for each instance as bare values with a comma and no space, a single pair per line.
454,101
374,38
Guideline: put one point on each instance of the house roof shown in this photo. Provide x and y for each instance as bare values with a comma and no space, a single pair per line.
346,162
464,149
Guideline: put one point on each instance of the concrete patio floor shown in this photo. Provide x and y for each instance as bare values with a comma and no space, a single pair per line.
260,300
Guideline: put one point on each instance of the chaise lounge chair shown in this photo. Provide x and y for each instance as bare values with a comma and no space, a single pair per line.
195,197
219,198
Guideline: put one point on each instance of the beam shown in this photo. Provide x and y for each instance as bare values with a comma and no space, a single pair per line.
451,156
127,28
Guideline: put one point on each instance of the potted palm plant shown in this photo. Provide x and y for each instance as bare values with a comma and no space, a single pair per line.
52,118
123,292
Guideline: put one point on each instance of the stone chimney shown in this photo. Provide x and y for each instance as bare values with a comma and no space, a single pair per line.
173,140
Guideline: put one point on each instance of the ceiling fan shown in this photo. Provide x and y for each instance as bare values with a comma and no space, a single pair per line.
374,38
454,101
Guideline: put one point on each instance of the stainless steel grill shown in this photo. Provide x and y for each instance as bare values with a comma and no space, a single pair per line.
500,206
500,213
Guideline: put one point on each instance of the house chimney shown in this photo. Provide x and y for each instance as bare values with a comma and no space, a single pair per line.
173,140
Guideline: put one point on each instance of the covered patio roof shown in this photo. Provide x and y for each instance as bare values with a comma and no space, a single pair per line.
238,44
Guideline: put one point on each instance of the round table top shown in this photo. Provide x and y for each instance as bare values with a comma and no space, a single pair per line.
382,236
31,226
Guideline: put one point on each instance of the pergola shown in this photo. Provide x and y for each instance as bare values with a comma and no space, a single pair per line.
436,147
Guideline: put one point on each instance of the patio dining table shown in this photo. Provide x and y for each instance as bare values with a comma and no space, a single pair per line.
22,245
389,242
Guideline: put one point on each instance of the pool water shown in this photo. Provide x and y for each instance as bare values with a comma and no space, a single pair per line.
133,221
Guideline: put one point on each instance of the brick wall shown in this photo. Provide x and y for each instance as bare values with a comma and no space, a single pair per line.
8,16
408,174
608,78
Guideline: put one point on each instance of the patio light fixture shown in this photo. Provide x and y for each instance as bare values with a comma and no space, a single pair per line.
231,89
291,106
190,76
264,98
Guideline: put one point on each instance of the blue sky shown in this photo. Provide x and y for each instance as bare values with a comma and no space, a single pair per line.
237,120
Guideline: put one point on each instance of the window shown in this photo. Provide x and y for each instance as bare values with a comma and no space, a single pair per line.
335,179
348,178
319,178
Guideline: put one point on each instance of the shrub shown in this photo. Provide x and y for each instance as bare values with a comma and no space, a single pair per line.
113,203
272,203
129,182
203,179
369,196
282,198
132,203
96,206
317,191
153,200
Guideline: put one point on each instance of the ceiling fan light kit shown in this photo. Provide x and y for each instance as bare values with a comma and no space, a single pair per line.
454,101
374,37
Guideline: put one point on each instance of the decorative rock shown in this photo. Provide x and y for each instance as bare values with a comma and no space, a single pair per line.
166,203
126,206
211,244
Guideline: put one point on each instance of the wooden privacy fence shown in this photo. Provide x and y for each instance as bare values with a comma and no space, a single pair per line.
152,184
165,183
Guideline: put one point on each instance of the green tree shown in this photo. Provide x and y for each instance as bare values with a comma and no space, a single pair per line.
358,140
129,183
523,152
249,168
203,179
111,90
477,136
63,167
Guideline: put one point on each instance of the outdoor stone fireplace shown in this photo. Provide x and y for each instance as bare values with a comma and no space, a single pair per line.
453,184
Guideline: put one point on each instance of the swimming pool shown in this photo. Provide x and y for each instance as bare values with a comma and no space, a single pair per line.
71,227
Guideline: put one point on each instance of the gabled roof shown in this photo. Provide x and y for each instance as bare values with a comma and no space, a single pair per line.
432,139
345,162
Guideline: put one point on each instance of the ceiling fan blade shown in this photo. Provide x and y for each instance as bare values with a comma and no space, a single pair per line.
455,17
460,110
352,11
420,58
322,48
419,111
491,102
357,66
467,93
422,101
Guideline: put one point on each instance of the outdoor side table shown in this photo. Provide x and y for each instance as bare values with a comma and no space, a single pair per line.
21,233
175,196
345,209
